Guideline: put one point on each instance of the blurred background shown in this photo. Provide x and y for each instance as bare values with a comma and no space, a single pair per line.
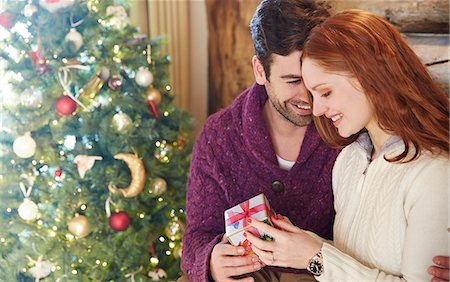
211,47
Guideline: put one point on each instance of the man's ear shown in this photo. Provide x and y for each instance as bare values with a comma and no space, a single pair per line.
258,71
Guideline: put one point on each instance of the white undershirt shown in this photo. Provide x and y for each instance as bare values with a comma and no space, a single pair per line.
284,164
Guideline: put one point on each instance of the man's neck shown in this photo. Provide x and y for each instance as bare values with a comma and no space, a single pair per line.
287,138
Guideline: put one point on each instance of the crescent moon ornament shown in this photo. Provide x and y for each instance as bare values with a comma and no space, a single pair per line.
137,171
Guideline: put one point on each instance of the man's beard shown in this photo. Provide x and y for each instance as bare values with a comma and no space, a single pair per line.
294,118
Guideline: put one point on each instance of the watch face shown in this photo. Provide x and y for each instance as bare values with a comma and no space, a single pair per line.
315,267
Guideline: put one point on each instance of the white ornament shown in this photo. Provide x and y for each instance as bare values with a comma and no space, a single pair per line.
31,98
119,17
29,10
121,122
144,77
41,269
85,163
28,209
24,146
75,37
157,274
54,5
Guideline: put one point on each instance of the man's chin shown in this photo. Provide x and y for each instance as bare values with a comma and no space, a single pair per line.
302,121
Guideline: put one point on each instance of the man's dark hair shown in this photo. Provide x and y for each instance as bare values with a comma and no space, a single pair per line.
282,26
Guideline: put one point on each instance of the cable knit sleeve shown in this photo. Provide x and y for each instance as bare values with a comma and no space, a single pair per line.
204,208
425,206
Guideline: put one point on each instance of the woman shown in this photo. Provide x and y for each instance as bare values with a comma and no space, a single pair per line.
372,94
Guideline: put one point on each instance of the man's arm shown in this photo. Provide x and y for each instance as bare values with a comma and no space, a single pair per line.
204,211
440,270
206,253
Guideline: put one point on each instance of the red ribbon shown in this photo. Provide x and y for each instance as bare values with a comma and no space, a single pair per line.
246,213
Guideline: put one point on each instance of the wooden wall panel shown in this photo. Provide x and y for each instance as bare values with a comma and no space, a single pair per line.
424,16
231,47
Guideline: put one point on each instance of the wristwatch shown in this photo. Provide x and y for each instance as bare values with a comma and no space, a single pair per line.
315,264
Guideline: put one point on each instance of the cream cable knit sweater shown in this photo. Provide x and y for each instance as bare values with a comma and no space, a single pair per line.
391,219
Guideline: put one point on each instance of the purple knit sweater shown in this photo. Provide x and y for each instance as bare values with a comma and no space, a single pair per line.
233,160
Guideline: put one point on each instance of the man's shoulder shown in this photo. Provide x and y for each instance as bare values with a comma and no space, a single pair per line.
231,115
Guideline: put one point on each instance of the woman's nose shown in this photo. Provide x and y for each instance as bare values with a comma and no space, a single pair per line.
319,108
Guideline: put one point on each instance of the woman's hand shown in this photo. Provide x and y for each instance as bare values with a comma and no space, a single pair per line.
291,246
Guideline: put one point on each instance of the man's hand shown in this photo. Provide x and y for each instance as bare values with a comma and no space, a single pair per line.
228,261
440,271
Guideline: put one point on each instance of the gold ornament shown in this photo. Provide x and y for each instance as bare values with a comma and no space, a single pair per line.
153,95
137,171
175,229
80,226
159,186
93,86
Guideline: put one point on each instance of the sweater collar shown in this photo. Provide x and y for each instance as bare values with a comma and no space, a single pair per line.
255,133
364,143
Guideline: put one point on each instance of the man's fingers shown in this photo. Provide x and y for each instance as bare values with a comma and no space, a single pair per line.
233,261
439,273
244,269
224,239
434,279
229,250
442,261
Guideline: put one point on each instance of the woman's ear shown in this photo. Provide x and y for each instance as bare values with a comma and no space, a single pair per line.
258,71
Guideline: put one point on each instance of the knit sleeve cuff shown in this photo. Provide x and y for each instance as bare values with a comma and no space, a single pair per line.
200,268
339,266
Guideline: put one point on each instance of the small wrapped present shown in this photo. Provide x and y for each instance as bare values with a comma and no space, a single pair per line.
236,223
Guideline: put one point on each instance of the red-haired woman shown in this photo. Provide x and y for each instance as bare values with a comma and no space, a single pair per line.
373,96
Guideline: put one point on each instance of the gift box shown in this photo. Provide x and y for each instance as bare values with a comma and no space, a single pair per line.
257,208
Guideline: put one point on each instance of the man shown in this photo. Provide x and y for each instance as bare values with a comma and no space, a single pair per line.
266,143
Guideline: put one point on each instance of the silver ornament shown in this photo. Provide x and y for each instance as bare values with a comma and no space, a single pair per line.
75,37
144,77
121,122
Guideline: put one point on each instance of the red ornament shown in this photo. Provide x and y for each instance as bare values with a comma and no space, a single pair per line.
58,173
119,220
65,105
115,82
5,20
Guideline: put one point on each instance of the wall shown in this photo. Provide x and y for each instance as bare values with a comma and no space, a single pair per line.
423,22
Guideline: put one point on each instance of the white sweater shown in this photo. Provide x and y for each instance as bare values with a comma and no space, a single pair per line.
391,218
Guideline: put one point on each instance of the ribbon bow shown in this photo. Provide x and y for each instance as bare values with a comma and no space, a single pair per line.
246,213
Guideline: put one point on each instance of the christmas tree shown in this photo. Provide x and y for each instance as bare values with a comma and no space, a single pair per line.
94,154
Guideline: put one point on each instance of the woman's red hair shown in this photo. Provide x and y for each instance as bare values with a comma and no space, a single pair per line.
405,99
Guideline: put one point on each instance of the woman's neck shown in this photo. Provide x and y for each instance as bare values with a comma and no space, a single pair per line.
378,137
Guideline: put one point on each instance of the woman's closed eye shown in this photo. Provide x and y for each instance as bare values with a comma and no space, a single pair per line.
326,94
